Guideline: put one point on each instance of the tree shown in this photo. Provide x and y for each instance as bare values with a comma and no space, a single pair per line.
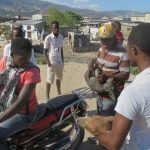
5,31
66,18
74,18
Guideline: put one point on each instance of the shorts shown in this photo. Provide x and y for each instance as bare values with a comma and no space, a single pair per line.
55,70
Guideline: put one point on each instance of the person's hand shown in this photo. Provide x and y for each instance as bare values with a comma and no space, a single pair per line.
92,65
101,78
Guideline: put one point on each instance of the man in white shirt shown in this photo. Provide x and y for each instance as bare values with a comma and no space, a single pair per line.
133,106
54,56
17,32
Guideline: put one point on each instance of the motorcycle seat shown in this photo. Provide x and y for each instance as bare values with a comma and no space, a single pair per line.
51,111
62,101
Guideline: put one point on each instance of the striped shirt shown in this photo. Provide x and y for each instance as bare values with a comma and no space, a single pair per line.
113,62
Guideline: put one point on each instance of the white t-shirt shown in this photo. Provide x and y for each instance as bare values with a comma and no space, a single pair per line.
54,45
134,104
7,50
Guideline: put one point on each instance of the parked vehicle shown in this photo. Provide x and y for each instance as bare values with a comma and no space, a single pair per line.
56,127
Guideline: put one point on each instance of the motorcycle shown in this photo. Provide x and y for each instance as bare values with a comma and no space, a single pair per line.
56,127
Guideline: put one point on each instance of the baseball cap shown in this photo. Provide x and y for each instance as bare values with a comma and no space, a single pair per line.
106,30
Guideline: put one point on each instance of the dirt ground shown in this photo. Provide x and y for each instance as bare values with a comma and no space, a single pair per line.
73,79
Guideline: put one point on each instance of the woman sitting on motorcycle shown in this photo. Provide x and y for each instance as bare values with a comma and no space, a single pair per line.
22,110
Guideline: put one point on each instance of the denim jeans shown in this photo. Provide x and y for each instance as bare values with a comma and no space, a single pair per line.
13,125
106,107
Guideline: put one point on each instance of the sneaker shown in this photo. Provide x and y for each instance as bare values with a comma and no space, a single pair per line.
92,140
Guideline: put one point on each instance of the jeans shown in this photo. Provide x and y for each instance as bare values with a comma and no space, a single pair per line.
13,125
106,107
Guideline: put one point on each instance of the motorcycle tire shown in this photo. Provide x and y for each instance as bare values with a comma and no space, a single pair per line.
78,141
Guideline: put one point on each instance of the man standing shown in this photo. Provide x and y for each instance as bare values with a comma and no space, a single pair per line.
54,56
133,106
17,32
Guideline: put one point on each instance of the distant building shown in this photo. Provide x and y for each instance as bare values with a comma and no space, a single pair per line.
86,19
40,16
117,18
105,18
145,18
33,28
138,19
19,17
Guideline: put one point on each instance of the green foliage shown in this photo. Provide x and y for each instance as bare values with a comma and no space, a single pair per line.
41,60
5,31
66,18
72,18
134,70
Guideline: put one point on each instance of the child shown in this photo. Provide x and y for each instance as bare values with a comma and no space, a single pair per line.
118,34
23,110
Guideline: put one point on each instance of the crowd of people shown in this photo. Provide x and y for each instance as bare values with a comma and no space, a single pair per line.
131,106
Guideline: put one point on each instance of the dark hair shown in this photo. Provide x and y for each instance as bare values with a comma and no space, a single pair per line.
118,23
20,32
21,46
140,36
55,22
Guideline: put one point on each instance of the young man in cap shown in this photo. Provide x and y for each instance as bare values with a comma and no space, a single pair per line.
113,61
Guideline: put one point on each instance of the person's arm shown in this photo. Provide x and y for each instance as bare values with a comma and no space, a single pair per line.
120,76
22,98
127,108
121,38
124,69
62,54
3,64
32,58
114,139
6,51
46,48
47,57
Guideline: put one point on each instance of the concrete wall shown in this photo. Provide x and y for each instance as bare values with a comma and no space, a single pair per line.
79,42
35,31
138,19
147,18
64,30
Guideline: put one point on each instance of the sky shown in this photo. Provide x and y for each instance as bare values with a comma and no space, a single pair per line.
103,5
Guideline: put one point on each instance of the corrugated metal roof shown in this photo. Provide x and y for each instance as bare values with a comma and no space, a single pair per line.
28,22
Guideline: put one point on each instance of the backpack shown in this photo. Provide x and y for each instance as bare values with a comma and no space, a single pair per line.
8,81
